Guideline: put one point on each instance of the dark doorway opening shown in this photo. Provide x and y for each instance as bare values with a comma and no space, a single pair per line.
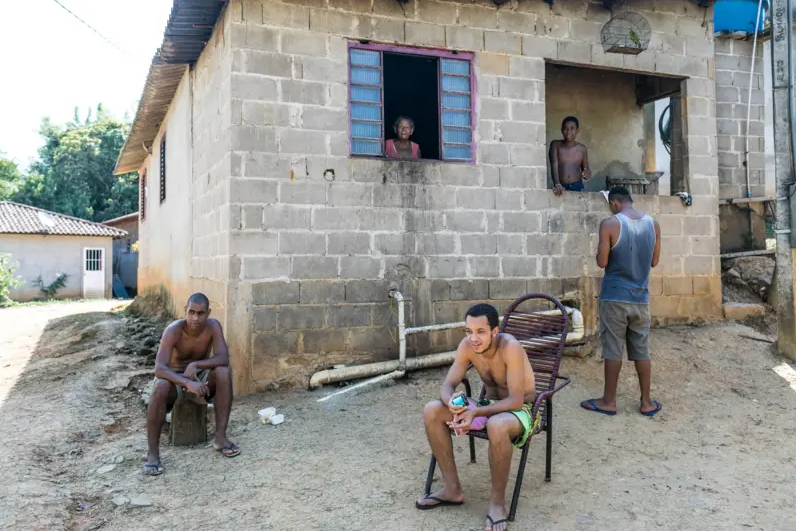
411,89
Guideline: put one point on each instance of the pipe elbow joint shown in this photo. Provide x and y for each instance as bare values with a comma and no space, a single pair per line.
395,294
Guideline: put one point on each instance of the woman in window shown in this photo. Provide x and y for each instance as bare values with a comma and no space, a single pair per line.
401,147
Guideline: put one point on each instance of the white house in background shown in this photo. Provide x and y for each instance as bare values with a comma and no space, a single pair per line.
45,244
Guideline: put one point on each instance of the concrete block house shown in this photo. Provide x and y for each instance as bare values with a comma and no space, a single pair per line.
259,141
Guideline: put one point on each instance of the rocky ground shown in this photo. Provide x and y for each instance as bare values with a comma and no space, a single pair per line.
747,279
718,457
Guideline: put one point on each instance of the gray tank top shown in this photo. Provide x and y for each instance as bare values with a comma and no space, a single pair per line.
627,274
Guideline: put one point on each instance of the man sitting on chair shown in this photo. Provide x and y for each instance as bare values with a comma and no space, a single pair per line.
510,391
184,371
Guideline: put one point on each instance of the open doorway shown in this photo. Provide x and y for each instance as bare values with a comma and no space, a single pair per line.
617,124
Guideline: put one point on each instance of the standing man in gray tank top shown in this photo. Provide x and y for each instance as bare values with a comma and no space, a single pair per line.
630,245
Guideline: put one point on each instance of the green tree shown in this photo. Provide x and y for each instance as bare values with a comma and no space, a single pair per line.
74,172
8,279
10,177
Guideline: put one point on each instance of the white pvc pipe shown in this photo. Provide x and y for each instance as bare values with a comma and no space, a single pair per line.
749,98
377,379
398,296
576,318
422,362
397,368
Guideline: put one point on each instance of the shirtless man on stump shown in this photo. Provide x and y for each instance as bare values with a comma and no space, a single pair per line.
183,370
510,391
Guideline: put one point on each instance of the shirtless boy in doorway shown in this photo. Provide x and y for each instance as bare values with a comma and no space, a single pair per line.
510,391
183,370
569,160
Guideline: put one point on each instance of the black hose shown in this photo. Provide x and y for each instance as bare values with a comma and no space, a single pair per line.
666,130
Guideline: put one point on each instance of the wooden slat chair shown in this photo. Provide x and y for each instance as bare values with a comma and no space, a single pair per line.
542,334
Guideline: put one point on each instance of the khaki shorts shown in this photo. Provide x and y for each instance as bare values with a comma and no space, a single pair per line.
624,324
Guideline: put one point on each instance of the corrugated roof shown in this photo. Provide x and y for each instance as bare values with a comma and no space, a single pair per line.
122,219
25,219
189,28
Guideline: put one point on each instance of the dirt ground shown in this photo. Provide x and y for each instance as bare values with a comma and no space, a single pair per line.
720,456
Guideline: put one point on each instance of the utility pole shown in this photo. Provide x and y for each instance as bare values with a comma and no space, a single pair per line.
782,66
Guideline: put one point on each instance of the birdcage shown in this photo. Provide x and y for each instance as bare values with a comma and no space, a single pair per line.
627,33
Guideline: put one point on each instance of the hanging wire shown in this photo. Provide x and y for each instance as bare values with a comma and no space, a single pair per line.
106,39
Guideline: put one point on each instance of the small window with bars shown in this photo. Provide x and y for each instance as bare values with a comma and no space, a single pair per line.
431,91
142,199
163,169
94,259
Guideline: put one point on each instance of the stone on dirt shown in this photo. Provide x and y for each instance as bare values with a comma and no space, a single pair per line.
105,469
141,501
120,500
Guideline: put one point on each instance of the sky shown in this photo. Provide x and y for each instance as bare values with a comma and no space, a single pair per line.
51,63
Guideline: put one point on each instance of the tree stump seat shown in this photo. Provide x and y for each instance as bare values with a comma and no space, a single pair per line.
188,424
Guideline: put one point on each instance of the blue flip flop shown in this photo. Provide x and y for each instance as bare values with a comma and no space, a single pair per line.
595,408
652,413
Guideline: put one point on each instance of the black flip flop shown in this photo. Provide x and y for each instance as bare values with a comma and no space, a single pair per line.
158,469
442,503
230,450
493,523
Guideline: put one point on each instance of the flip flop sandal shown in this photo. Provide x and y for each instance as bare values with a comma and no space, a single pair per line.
153,469
230,450
652,413
595,408
442,503
493,523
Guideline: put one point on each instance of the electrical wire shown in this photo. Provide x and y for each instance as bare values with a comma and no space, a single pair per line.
106,39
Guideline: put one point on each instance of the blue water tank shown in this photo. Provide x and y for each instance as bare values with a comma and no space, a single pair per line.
737,15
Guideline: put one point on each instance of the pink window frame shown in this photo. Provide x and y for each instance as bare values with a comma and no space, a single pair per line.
431,52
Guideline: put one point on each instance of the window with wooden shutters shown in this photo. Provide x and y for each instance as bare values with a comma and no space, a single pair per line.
434,88
142,200
163,169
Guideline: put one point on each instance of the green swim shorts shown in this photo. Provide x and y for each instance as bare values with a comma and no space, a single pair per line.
525,416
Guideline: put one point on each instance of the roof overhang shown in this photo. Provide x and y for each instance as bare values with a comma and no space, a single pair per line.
122,219
190,26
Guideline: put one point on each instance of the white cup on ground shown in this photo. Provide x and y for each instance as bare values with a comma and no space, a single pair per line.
266,414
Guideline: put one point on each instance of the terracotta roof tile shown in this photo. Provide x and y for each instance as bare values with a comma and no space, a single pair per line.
24,219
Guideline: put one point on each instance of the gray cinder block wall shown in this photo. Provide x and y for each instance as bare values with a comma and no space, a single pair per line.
742,227
300,261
